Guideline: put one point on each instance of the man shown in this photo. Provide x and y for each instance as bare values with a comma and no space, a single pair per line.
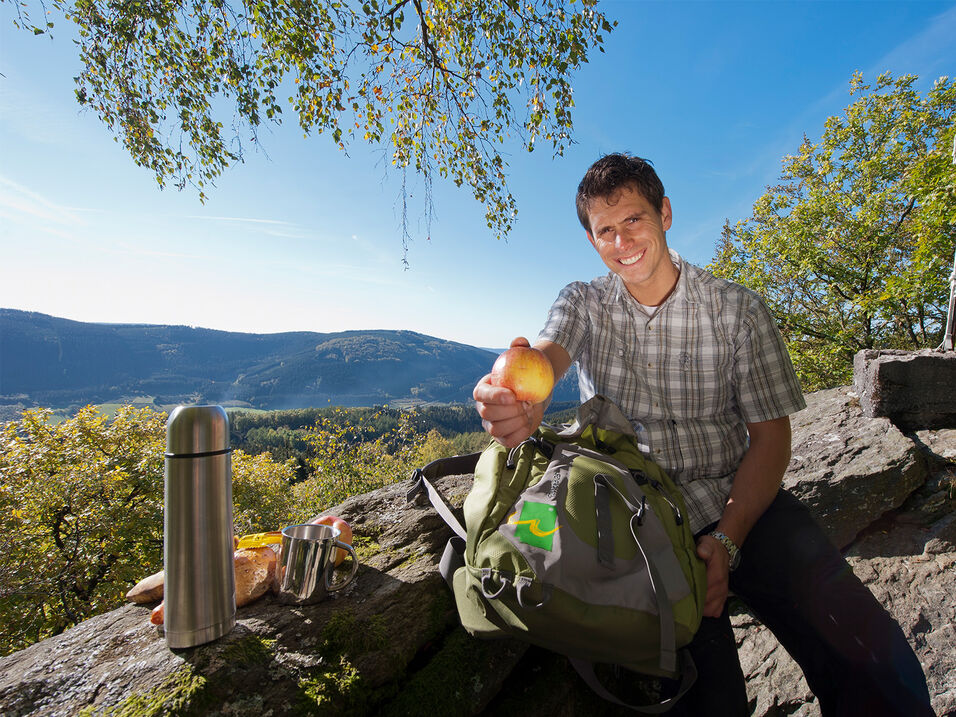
699,367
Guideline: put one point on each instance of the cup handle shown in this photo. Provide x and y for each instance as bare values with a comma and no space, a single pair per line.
328,575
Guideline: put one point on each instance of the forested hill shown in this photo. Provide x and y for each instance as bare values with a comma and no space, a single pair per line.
50,361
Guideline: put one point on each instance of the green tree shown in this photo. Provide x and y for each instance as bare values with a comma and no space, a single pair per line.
81,514
852,249
262,493
345,461
439,85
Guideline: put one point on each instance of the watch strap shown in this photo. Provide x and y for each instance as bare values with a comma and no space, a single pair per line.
732,550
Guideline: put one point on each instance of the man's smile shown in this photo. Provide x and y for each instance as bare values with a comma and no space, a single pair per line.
633,259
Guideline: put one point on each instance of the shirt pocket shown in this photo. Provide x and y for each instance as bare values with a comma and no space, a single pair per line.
700,370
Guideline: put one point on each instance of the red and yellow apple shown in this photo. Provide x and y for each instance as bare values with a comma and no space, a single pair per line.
344,529
526,371
158,614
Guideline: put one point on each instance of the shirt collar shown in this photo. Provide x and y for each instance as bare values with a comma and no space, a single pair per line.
684,291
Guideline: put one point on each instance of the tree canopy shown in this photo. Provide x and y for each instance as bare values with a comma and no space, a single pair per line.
439,85
853,249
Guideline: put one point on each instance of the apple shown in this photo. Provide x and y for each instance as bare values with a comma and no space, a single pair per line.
526,371
344,528
157,614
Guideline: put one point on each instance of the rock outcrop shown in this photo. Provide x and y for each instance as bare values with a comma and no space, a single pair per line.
914,389
390,644
901,542
849,468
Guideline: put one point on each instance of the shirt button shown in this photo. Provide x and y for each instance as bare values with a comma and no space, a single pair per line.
650,365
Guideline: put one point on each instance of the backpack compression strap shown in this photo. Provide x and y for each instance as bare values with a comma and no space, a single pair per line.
603,489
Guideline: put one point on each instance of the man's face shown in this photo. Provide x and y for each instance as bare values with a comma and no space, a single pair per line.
629,234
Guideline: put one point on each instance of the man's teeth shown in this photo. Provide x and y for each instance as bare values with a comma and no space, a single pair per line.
632,259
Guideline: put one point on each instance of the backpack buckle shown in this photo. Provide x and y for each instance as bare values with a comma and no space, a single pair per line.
414,494
487,584
523,587
545,447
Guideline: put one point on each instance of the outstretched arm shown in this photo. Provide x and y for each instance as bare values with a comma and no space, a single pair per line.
508,420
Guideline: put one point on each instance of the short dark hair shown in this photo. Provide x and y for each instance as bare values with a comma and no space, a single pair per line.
613,172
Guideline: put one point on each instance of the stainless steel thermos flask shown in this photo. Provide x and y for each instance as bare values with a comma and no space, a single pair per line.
200,587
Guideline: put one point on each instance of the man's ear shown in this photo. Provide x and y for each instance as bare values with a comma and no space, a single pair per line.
590,239
666,213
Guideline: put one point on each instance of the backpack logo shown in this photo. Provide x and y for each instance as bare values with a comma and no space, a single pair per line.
537,525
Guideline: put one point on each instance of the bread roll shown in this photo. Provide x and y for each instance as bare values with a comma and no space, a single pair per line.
255,573
147,590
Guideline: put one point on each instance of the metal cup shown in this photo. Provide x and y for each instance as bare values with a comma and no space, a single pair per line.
306,564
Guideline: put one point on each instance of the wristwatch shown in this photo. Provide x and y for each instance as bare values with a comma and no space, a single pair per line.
732,550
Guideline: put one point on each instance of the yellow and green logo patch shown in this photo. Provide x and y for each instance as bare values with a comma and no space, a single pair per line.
537,525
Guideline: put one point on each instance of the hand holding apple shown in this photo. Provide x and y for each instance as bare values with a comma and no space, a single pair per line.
526,371
344,528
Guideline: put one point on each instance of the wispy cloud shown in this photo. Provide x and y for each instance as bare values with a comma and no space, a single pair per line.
374,251
243,220
23,205
268,227
350,274
930,48
137,250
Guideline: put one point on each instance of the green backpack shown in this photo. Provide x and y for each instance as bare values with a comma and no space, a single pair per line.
574,541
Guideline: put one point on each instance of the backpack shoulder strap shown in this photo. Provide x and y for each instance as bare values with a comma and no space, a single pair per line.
688,675
454,555
422,482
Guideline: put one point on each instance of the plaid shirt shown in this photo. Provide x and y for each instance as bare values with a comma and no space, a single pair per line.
709,361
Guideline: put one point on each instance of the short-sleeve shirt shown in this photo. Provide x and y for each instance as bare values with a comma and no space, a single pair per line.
690,377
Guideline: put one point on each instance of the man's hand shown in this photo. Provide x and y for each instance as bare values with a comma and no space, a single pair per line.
715,557
506,418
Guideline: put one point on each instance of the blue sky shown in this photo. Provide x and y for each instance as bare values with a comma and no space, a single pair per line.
715,93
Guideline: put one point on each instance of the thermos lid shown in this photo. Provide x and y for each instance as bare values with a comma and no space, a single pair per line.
196,430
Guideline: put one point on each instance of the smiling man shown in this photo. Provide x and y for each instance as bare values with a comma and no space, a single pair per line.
700,369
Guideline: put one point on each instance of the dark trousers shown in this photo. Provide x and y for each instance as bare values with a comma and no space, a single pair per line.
853,654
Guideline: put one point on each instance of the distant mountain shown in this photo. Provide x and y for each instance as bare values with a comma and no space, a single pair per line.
49,361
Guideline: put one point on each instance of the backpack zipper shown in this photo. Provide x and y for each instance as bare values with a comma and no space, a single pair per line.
656,485
641,478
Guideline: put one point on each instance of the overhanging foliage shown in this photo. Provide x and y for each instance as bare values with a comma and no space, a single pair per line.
440,85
